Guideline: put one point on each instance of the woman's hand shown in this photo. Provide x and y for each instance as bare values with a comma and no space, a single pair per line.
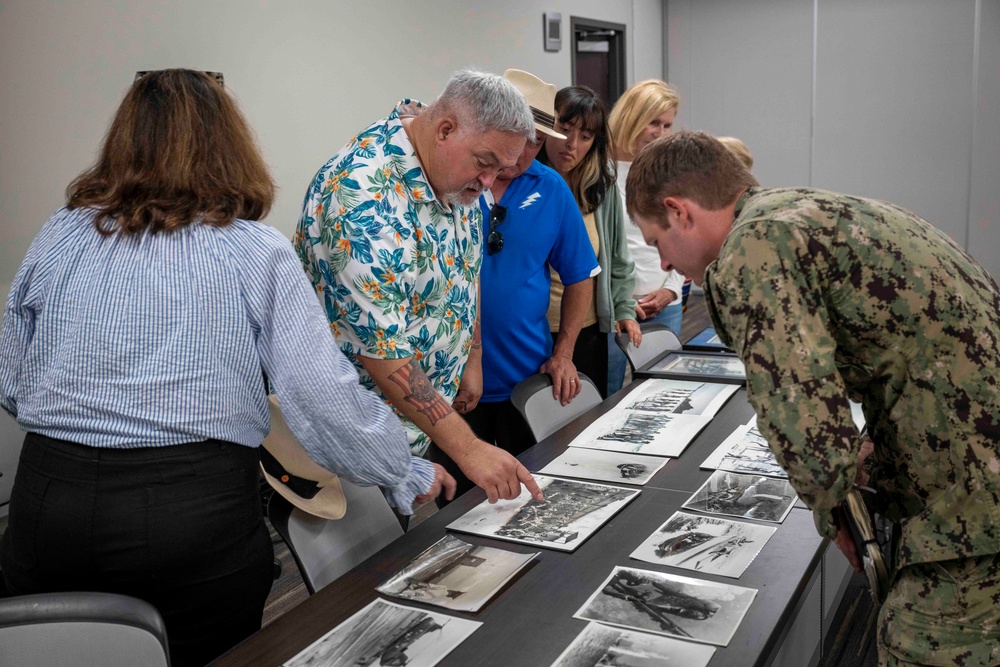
654,302
630,327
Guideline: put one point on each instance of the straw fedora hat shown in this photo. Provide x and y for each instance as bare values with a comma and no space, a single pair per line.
541,98
290,472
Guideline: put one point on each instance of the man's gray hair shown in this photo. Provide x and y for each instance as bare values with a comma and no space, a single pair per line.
487,102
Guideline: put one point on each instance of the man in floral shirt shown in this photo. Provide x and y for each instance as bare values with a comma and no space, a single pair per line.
391,236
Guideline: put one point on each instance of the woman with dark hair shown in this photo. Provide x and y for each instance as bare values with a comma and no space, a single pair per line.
133,351
583,159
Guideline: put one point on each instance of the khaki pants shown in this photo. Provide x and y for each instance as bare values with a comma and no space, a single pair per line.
945,613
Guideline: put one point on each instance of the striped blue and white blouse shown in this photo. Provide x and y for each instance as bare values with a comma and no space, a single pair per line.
161,339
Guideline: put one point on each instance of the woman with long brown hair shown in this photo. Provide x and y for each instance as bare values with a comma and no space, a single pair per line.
584,161
133,351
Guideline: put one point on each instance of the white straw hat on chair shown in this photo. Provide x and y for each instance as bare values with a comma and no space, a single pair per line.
300,480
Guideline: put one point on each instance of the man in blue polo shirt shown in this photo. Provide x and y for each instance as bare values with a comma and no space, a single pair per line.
530,221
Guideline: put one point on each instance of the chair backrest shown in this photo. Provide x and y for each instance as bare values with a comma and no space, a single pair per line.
72,629
545,415
324,549
657,338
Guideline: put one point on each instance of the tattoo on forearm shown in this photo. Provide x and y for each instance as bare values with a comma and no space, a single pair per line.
477,339
420,393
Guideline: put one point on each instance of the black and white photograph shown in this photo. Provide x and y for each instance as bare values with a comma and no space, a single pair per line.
571,512
456,575
385,633
709,544
605,466
746,496
602,645
745,450
669,604
692,365
680,397
637,432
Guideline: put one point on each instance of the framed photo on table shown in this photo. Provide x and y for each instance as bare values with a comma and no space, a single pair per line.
707,340
697,366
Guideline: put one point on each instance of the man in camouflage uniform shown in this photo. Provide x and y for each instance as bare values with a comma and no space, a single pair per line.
826,296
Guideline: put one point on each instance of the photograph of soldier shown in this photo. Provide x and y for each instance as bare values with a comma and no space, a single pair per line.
384,633
705,544
680,397
571,512
604,466
747,496
638,432
603,646
669,604
456,575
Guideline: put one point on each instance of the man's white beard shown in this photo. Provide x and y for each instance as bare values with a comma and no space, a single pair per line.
464,197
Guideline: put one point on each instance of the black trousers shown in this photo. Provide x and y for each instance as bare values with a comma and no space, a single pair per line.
497,423
590,356
179,527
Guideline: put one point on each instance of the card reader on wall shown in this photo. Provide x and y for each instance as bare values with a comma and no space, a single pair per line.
552,22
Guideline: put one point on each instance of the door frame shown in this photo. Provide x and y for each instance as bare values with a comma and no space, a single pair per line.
616,53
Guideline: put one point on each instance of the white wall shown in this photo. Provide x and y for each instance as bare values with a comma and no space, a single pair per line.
893,99
984,193
308,74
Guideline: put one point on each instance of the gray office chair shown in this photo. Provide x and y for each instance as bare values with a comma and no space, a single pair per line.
656,339
324,549
72,629
545,415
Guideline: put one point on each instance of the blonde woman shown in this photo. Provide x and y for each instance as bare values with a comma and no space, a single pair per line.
645,112
739,149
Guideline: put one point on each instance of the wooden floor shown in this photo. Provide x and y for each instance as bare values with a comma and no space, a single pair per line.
288,590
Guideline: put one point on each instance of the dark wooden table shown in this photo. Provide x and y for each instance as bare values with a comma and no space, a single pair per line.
531,621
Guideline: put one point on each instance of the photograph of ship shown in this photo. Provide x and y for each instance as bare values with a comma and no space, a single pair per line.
605,466
680,397
706,365
601,645
571,512
746,451
747,496
709,544
668,604
456,575
637,432
385,633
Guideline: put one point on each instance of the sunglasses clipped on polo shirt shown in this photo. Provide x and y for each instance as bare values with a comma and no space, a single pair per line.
494,240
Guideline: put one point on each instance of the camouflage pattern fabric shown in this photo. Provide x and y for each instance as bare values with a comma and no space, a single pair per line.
945,613
827,296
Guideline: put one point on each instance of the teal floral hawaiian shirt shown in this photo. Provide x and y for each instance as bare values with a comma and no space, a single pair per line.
396,269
